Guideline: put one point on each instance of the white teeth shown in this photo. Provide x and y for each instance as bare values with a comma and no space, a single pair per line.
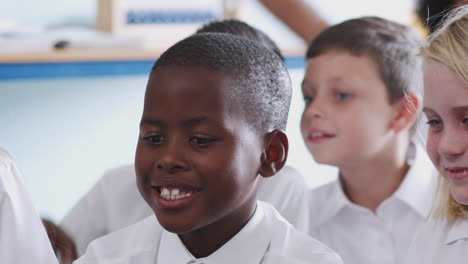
317,134
165,192
173,194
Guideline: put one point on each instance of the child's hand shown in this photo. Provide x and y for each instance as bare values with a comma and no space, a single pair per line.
63,245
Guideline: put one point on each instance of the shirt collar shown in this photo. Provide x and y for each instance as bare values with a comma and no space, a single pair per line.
235,251
172,250
458,230
417,189
419,185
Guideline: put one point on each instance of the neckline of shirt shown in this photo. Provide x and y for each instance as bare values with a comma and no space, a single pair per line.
236,250
417,189
458,230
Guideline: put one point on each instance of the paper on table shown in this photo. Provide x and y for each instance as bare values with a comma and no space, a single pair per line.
75,38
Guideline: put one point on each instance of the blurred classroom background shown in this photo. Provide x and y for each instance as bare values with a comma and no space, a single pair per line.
71,96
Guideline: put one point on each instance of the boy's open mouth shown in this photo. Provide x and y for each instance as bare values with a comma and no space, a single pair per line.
316,137
172,193
319,135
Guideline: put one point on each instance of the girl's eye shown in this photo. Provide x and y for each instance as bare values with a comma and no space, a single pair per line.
435,124
154,139
201,141
308,99
343,96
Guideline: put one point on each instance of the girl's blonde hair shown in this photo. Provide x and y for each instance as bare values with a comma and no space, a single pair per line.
449,46
447,207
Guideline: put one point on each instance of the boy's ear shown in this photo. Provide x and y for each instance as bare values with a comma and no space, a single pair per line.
407,112
275,154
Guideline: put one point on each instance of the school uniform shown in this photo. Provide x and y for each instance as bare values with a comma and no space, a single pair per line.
361,236
267,238
439,242
23,239
114,202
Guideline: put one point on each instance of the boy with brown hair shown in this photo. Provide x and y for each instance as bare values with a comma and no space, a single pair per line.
362,95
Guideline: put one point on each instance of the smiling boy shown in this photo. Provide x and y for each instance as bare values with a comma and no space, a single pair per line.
215,107
362,94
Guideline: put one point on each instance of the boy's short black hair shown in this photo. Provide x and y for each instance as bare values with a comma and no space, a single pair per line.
432,12
243,30
394,48
261,82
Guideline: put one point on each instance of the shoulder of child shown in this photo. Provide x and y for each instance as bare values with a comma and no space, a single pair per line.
288,245
321,196
325,190
8,172
133,244
5,158
123,175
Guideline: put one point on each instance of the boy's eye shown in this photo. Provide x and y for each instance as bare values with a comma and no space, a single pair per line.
201,141
154,139
308,99
343,96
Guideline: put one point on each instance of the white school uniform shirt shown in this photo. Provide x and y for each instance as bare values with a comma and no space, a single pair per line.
114,202
267,238
23,239
440,241
361,237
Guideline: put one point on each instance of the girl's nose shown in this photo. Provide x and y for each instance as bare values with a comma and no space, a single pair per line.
451,144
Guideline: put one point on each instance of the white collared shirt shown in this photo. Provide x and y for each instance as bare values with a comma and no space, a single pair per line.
360,236
114,202
440,241
248,246
23,239
267,238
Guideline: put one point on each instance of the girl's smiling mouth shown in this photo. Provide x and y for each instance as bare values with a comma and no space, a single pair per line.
457,173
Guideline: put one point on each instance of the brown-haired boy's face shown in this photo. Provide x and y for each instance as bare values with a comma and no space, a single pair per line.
196,160
347,114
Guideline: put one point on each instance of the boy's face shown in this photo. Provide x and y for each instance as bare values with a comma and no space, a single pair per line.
446,109
347,114
197,159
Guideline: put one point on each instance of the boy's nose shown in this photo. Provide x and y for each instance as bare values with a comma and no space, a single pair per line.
314,110
172,159
170,165
451,144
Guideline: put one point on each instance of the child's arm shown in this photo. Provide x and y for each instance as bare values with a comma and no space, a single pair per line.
299,16
63,245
